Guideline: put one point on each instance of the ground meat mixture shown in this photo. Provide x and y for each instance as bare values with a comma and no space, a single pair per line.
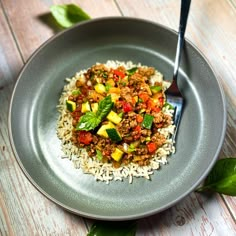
117,114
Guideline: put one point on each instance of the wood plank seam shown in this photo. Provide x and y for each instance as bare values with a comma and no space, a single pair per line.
12,32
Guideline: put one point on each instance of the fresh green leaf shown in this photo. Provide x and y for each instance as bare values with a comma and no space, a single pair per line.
68,14
88,121
99,155
132,70
105,228
222,178
104,107
91,120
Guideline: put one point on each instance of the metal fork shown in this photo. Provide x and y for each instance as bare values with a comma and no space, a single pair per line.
173,94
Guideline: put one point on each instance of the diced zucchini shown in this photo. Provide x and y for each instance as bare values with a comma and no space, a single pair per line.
117,154
100,88
85,107
70,105
99,155
102,131
114,117
94,107
147,121
114,97
114,135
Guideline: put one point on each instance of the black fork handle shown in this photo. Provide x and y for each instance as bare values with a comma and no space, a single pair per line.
185,5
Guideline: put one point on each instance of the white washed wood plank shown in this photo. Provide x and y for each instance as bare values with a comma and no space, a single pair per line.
29,28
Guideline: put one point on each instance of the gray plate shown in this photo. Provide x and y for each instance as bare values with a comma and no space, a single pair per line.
33,117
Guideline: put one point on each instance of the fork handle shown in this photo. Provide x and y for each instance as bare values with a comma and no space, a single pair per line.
185,5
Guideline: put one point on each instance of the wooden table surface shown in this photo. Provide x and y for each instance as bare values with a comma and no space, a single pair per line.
25,25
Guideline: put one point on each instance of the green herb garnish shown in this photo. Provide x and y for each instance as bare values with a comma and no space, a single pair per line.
68,14
132,70
91,119
222,178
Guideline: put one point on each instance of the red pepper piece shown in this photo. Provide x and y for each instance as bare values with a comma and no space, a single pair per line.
85,137
152,147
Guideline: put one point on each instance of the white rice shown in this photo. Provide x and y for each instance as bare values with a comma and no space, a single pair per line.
105,171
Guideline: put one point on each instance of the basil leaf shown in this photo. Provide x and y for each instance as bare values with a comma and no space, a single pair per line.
104,107
68,14
132,70
88,121
222,178
105,228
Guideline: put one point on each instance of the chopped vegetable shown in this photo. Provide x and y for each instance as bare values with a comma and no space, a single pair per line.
131,148
76,92
144,96
120,74
85,107
114,135
102,131
70,105
114,117
156,89
127,107
91,120
152,147
85,137
147,121
139,118
94,107
99,155
117,154
100,88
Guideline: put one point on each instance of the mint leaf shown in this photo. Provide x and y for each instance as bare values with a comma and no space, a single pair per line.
68,14
104,107
88,121
222,178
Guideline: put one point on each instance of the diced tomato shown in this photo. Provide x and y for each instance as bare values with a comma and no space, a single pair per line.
152,106
127,107
152,147
138,130
139,118
121,74
143,96
85,137
161,100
